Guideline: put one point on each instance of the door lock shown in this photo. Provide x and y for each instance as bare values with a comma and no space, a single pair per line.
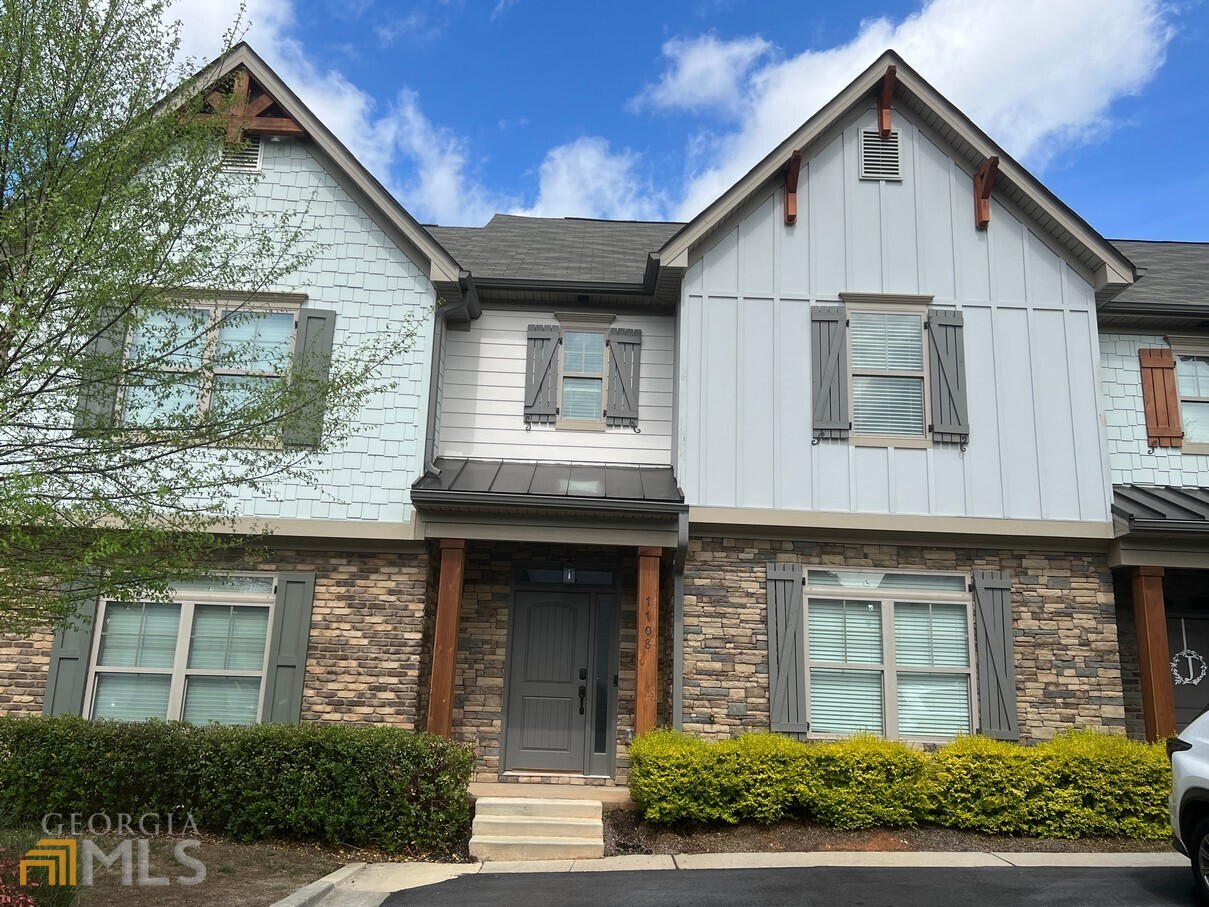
583,694
583,673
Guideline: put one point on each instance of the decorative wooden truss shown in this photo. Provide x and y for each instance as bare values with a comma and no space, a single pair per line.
248,108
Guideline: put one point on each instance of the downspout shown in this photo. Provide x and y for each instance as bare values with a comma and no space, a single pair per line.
430,435
678,622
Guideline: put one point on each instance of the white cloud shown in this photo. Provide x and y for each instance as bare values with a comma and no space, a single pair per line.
585,178
705,74
1037,76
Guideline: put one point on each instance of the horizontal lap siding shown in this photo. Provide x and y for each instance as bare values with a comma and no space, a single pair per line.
1035,448
483,390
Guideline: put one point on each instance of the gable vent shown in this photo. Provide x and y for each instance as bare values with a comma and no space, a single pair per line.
242,158
879,158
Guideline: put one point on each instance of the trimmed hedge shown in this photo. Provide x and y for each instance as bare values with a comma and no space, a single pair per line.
365,786
1080,784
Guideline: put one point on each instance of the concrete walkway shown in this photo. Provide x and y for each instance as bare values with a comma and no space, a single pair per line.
368,884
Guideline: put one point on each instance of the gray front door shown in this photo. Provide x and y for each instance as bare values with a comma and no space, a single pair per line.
548,683
1188,639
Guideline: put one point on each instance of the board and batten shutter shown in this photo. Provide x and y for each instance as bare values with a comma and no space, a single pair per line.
947,376
829,371
996,659
541,374
286,674
99,369
1161,399
786,651
625,359
69,655
313,343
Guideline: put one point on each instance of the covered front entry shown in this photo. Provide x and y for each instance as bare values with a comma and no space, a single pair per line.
562,672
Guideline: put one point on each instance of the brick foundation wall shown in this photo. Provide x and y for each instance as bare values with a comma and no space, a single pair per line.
1068,665
478,704
364,659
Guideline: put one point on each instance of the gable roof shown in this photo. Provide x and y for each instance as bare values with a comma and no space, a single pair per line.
1111,270
557,249
1173,279
377,201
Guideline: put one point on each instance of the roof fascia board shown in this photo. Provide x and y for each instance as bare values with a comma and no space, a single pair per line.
1115,271
441,265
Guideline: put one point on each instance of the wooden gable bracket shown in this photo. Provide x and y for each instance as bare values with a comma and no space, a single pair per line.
241,113
884,99
791,188
984,182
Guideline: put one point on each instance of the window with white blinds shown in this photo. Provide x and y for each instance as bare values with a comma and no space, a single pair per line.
889,654
200,657
888,375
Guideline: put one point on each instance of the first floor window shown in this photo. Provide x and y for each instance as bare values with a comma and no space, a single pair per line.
889,654
200,657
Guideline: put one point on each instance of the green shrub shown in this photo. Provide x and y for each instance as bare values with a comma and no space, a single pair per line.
864,782
1081,784
362,786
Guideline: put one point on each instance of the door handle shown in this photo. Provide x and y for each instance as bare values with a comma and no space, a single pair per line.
583,694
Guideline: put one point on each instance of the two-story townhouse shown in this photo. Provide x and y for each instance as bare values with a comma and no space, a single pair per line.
551,497
330,625
890,439
1155,372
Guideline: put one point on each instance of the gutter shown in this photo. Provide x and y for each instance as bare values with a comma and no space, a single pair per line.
471,499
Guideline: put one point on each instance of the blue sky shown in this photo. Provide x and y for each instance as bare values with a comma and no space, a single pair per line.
649,110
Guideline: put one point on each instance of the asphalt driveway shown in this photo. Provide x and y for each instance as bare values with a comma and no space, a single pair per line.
806,887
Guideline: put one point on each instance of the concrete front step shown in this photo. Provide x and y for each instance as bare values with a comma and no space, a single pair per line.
532,807
536,827
534,848
522,828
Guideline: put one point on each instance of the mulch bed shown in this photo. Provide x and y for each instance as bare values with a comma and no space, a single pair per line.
626,833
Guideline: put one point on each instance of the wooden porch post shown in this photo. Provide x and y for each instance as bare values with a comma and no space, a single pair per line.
445,639
1150,617
648,639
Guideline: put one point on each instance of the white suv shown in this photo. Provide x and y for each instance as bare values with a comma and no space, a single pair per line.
1189,801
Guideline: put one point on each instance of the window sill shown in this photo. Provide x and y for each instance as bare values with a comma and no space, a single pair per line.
889,441
580,425
1194,448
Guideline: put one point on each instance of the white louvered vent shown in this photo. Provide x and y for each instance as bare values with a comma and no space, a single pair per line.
242,158
879,157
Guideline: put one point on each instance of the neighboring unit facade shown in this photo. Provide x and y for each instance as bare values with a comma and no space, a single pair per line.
832,457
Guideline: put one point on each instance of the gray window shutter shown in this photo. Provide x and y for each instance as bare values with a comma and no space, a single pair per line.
996,659
786,667
69,656
947,374
99,368
313,360
625,355
541,374
286,675
829,371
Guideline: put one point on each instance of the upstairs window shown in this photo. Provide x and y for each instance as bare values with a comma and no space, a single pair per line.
582,395
888,376
1193,374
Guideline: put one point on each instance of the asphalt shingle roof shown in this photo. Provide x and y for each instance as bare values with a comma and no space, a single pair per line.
556,249
1176,273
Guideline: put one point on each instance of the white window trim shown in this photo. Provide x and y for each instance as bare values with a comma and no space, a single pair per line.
180,671
1189,345
888,669
583,323
906,305
213,307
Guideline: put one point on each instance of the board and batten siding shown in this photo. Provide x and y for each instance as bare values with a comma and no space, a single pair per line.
365,278
1036,442
1128,455
483,396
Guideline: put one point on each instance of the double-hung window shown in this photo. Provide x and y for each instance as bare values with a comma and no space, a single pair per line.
1192,374
218,357
888,373
582,390
200,657
889,653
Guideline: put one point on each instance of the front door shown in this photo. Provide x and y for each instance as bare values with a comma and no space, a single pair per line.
561,682
1188,639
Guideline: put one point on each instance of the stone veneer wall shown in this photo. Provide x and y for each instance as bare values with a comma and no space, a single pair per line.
1131,669
478,704
1068,669
364,659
